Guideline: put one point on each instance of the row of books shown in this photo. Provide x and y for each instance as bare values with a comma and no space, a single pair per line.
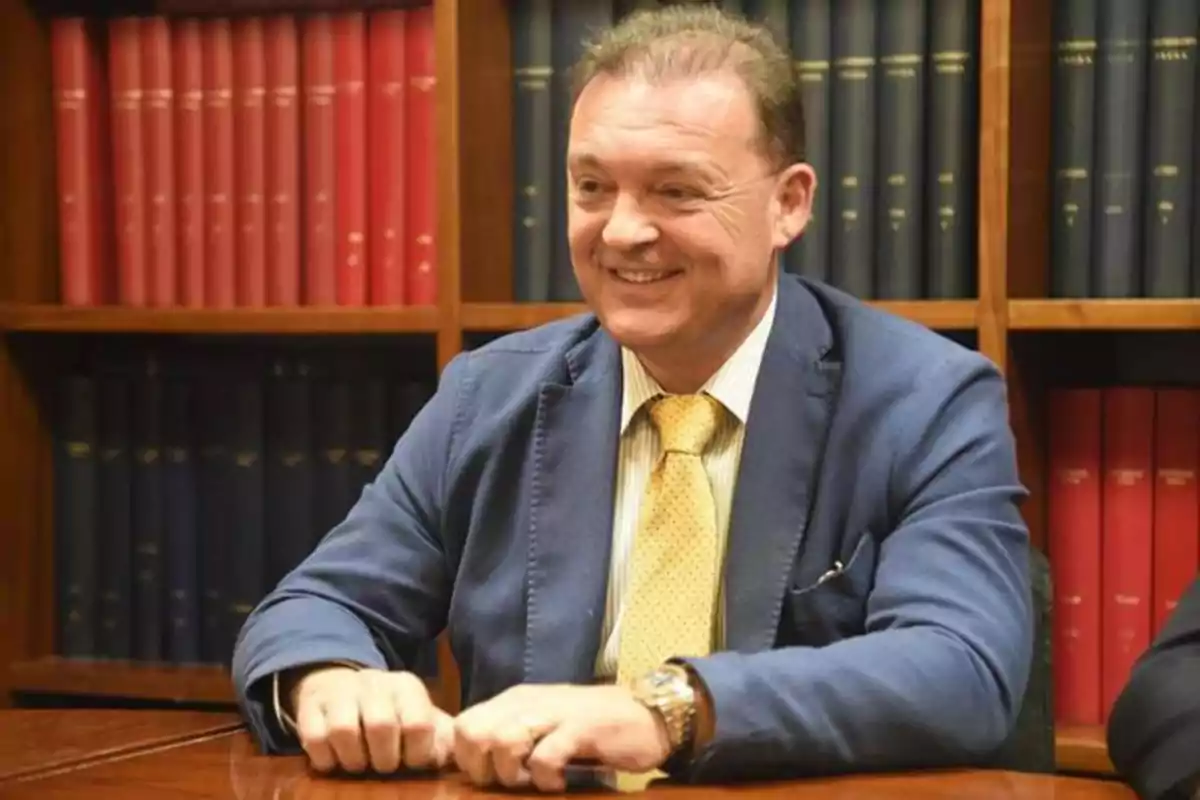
891,95
1124,149
185,489
1123,531
246,161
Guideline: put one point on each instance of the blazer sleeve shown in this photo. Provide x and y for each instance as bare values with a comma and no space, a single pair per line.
938,675
374,589
1154,727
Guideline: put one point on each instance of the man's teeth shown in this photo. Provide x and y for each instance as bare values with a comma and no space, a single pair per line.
642,277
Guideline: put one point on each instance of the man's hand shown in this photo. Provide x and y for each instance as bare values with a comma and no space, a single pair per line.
530,733
353,719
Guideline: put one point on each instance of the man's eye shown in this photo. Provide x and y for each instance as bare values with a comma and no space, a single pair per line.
680,193
587,186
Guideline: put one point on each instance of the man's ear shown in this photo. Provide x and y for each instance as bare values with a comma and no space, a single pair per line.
794,192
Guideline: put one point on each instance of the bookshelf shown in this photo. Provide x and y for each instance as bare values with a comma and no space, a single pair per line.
474,176
21,318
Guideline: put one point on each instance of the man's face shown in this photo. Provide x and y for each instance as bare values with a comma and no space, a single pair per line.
675,213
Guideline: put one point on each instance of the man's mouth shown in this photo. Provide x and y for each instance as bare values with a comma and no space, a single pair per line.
642,276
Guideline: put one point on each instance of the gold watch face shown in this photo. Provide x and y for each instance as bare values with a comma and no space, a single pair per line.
664,677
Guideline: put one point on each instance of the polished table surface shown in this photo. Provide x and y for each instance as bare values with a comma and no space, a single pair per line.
33,741
229,766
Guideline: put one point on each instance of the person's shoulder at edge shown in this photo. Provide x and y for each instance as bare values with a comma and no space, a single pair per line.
871,338
500,380
555,338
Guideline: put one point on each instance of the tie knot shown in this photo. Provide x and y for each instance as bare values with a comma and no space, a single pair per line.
685,422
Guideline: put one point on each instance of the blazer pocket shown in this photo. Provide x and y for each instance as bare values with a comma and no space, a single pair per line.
835,606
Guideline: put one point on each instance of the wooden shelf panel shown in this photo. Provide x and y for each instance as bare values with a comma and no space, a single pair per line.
196,684
1085,315
112,319
939,314
1082,748
946,315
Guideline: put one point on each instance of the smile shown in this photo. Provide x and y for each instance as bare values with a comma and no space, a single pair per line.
643,276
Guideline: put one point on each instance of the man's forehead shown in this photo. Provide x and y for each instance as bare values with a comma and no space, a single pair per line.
681,121
712,100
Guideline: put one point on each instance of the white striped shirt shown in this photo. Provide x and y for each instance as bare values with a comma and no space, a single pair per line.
733,386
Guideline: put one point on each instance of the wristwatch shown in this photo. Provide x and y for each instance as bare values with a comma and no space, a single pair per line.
667,691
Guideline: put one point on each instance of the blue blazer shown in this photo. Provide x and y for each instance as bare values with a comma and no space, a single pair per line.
877,592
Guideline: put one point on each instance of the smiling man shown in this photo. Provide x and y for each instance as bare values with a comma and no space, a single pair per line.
730,524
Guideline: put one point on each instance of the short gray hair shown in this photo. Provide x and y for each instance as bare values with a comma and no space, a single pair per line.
691,39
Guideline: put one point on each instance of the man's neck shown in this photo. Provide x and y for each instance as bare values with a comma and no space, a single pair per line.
678,373
680,370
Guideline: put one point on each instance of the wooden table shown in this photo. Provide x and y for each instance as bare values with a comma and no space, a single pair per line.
38,741
228,766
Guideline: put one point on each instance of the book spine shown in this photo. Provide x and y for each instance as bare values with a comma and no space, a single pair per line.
387,133
158,136
350,115
1170,141
249,114
533,165
899,226
812,47
950,166
191,228
1120,94
1073,147
852,244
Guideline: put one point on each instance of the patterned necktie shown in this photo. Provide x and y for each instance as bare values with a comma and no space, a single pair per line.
670,603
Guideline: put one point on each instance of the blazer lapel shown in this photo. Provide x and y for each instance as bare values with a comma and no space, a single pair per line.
571,513
785,439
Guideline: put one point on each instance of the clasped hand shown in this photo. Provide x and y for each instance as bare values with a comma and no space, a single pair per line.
525,736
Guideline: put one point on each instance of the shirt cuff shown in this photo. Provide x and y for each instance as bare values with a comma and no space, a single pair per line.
286,723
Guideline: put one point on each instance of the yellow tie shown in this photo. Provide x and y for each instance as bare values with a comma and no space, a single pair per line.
670,603
669,607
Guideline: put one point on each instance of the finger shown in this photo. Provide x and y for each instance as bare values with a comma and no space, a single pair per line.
415,710
380,725
443,739
472,744
513,743
313,734
345,732
548,761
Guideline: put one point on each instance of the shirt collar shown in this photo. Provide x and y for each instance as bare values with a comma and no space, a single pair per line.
732,385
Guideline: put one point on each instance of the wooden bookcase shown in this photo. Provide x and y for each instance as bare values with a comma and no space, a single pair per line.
474,177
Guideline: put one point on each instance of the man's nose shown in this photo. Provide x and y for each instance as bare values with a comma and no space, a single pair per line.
628,226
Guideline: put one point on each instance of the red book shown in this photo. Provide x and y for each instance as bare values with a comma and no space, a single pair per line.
220,250
386,129
320,165
350,109
158,117
128,164
1073,520
282,160
1176,499
1128,528
77,72
189,160
421,228
249,90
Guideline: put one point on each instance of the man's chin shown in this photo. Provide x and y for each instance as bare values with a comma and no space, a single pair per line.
640,329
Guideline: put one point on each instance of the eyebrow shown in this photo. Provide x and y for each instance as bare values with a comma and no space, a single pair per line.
700,169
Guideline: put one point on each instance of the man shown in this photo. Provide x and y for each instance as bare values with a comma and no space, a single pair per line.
807,558
1154,727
